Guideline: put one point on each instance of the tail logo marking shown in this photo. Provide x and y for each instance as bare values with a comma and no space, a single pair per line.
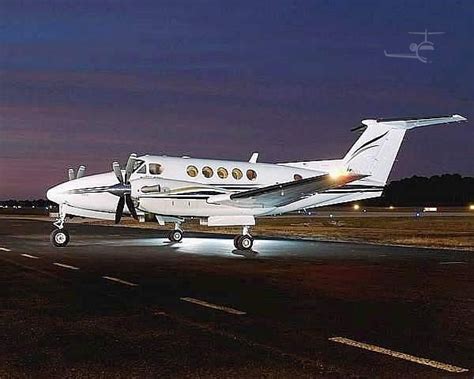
365,146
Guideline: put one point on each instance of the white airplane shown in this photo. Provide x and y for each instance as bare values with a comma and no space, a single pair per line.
233,193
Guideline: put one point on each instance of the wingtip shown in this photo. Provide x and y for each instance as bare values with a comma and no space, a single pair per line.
459,117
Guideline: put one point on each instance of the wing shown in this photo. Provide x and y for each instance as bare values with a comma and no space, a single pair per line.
278,195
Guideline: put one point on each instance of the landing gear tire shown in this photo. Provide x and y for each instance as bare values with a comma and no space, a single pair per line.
175,235
244,242
59,237
236,241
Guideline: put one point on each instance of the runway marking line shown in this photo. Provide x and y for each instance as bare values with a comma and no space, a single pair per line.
65,266
452,263
29,256
396,354
111,278
213,306
4,249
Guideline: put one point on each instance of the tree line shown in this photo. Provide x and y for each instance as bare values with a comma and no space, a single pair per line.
438,190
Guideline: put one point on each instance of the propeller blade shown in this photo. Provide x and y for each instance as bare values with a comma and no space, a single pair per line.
81,172
131,206
117,171
119,210
70,173
129,168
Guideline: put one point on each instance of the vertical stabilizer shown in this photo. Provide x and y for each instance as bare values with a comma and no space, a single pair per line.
375,151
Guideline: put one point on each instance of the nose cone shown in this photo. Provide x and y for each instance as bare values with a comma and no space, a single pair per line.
54,195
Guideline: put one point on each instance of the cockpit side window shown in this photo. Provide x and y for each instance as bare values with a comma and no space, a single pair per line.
155,168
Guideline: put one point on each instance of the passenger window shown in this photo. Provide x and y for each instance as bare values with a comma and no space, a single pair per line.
237,174
222,173
192,171
155,169
251,174
297,177
207,172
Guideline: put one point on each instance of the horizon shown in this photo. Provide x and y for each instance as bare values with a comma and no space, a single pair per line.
89,83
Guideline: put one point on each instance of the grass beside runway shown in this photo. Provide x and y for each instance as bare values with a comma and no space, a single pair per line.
441,230
436,232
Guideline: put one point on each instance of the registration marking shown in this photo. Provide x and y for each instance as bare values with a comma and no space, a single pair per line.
29,256
396,354
65,266
4,249
213,306
111,278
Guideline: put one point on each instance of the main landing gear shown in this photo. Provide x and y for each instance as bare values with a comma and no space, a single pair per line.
176,235
60,236
244,241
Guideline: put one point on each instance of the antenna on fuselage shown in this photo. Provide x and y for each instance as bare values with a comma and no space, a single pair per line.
253,158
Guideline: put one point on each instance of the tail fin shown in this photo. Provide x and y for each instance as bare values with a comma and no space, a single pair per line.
375,151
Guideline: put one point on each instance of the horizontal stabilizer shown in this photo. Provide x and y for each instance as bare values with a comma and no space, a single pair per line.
415,122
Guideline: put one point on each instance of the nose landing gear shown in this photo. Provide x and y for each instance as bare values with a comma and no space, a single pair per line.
60,236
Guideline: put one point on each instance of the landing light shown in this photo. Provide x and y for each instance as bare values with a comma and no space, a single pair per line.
337,173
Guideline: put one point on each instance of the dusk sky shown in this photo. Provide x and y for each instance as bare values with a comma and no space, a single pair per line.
89,82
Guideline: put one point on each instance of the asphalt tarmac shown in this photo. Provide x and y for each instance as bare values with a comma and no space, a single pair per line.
124,302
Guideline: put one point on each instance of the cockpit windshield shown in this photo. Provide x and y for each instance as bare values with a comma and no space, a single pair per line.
137,166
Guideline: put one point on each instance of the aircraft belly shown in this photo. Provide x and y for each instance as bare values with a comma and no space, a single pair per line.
191,208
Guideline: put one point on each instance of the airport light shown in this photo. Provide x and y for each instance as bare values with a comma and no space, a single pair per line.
356,207
391,207
471,207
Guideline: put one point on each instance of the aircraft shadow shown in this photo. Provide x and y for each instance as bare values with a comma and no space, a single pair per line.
245,253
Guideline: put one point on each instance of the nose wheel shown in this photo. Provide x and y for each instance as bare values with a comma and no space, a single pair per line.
59,237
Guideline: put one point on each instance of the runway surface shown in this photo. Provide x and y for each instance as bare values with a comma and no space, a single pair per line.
125,302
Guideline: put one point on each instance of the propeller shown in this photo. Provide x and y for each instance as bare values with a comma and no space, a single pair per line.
123,189
71,174
80,173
